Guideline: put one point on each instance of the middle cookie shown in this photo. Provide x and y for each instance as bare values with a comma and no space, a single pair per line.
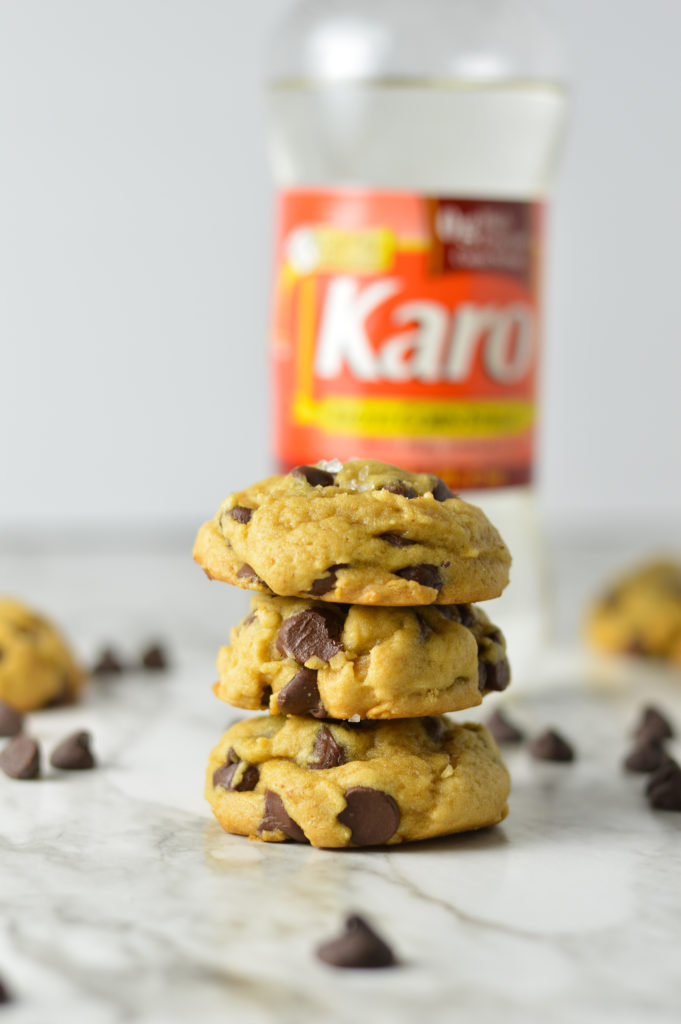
297,657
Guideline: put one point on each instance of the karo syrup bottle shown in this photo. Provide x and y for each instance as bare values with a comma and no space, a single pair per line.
414,145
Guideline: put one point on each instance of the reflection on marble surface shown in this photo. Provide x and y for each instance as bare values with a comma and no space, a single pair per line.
122,899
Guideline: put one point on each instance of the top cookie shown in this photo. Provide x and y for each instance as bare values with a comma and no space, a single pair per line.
359,533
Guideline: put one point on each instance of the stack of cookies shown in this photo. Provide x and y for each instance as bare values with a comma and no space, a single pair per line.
361,635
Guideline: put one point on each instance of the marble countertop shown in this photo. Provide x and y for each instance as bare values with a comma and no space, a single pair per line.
122,900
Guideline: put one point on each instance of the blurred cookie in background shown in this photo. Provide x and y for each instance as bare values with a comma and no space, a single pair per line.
640,613
37,667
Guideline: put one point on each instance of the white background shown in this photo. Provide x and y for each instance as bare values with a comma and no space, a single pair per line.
135,209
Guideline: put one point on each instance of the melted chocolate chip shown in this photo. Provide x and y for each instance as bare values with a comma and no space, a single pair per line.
246,572
371,815
503,729
397,540
241,514
73,753
551,746
154,658
327,752
250,619
424,628
314,476
265,697
435,728
11,721
646,757
441,492
399,487
107,664
425,575
277,817
326,583
357,946
493,676
224,775
313,633
21,758
664,788
654,725
300,696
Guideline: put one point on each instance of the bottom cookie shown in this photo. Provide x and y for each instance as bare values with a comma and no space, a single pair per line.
336,784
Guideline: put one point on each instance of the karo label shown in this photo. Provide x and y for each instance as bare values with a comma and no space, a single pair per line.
405,329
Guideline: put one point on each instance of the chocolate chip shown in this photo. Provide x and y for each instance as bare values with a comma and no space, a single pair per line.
300,696
424,628
11,720
398,487
277,817
246,572
241,514
551,746
426,575
493,676
21,758
224,775
357,946
107,664
398,540
435,728
250,619
653,725
327,753
664,788
265,697
314,476
326,583
73,753
155,658
371,815
441,492
646,757
313,633
503,729
5,997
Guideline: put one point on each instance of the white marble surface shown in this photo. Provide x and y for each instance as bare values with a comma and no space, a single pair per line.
122,900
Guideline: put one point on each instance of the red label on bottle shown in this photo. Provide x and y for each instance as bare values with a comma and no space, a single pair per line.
406,330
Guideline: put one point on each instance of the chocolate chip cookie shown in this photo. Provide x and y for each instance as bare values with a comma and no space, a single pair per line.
299,657
640,613
328,784
36,666
359,533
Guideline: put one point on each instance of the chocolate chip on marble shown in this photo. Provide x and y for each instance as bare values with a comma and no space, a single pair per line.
357,946
300,696
664,787
441,492
653,725
371,815
493,676
73,753
397,540
314,476
108,663
398,487
241,514
503,729
247,572
425,575
551,746
277,817
5,996
154,658
11,720
21,758
326,583
647,756
313,633
327,752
